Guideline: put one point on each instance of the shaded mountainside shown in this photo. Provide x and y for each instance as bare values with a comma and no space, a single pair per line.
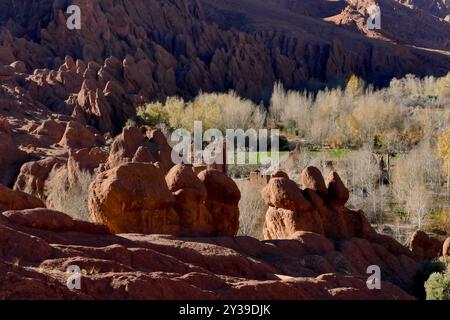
439,8
131,52
400,24
192,45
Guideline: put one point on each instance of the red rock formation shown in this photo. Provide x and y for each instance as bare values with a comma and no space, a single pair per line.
425,246
338,194
323,212
162,267
51,220
51,130
11,158
318,248
190,195
222,201
446,248
133,197
16,200
312,179
77,136
294,213
85,160
121,66
33,175
141,145
439,8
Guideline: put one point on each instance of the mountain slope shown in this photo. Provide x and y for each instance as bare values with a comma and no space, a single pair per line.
217,45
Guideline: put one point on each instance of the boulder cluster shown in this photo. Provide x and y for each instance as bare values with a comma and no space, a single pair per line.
136,187
316,215
319,207
140,190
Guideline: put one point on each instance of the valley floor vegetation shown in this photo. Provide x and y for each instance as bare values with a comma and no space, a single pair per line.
391,146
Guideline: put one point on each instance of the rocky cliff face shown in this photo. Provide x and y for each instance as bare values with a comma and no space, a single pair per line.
130,52
439,8
399,24
182,46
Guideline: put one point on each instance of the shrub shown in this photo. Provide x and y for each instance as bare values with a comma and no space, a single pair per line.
444,153
355,85
68,196
422,276
252,210
221,111
437,286
443,86
153,114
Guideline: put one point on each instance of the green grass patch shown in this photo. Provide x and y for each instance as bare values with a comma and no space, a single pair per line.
339,153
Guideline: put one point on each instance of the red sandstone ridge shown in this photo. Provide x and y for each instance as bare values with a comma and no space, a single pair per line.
245,45
36,252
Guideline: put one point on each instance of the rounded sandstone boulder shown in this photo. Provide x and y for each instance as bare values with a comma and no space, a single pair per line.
190,196
425,246
312,179
338,194
222,201
133,198
17,200
285,194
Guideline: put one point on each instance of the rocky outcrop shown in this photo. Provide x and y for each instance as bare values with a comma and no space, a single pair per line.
85,161
33,175
398,22
319,208
312,179
11,157
133,197
439,8
222,200
163,267
55,109
338,194
77,136
17,200
320,214
141,145
51,220
190,196
123,65
425,246
136,198
446,248
51,130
